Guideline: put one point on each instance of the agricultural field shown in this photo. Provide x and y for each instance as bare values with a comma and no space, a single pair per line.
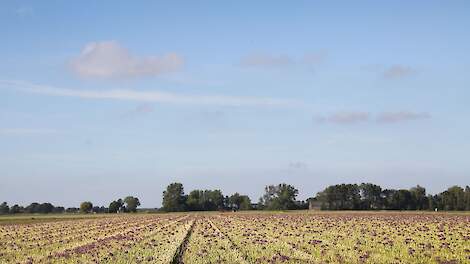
254,237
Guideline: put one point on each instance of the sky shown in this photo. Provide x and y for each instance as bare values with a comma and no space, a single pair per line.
104,99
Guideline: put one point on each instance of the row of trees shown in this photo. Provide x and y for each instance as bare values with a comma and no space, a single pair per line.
33,208
368,196
128,204
365,196
175,200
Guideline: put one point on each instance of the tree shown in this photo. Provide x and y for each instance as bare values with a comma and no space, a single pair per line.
454,198
115,206
174,198
467,198
370,196
419,198
194,201
4,208
205,200
245,203
235,201
340,197
72,210
131,203
239,202
279,197
45,208
86,207
15,209
32,208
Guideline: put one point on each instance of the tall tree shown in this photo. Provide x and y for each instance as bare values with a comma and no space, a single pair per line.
4,208
419,196
467,198
174,198
279,197
131,203
116,206
86,207
371,196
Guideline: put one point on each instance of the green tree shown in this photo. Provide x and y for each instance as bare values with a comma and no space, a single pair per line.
245,203
116,206
131,203
86,207
371,196
45,208
279,197
4,208
340,197
420,201
15,209
174,198
454,198
235,201
467,198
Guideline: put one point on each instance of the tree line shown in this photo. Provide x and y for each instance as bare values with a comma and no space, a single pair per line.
368,196
175,200
364,196
128,204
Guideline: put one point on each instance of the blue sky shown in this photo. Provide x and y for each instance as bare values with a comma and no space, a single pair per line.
99,100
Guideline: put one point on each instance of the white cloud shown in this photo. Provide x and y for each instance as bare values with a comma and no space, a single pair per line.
265,60
108,59
398,71
344,118
298,165
24,11
26,131
273,61
149,96
395,117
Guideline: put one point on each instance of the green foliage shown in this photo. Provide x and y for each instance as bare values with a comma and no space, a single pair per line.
4,208
205,200
174,199
279,197
131,203
369,196
116,206
239,202
86,207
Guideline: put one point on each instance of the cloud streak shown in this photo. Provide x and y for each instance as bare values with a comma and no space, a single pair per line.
396,117
262,60
149,96
108,59
397,72
347,118
26,131
344,118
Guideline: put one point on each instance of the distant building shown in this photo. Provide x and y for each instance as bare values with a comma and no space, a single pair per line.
314,204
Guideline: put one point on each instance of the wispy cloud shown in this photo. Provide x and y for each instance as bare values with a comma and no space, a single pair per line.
297,165
263,60
26,131
149,96
344,118
24,11
403,116
108,59
397,72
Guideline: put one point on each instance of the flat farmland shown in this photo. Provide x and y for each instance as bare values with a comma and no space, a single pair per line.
246,237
